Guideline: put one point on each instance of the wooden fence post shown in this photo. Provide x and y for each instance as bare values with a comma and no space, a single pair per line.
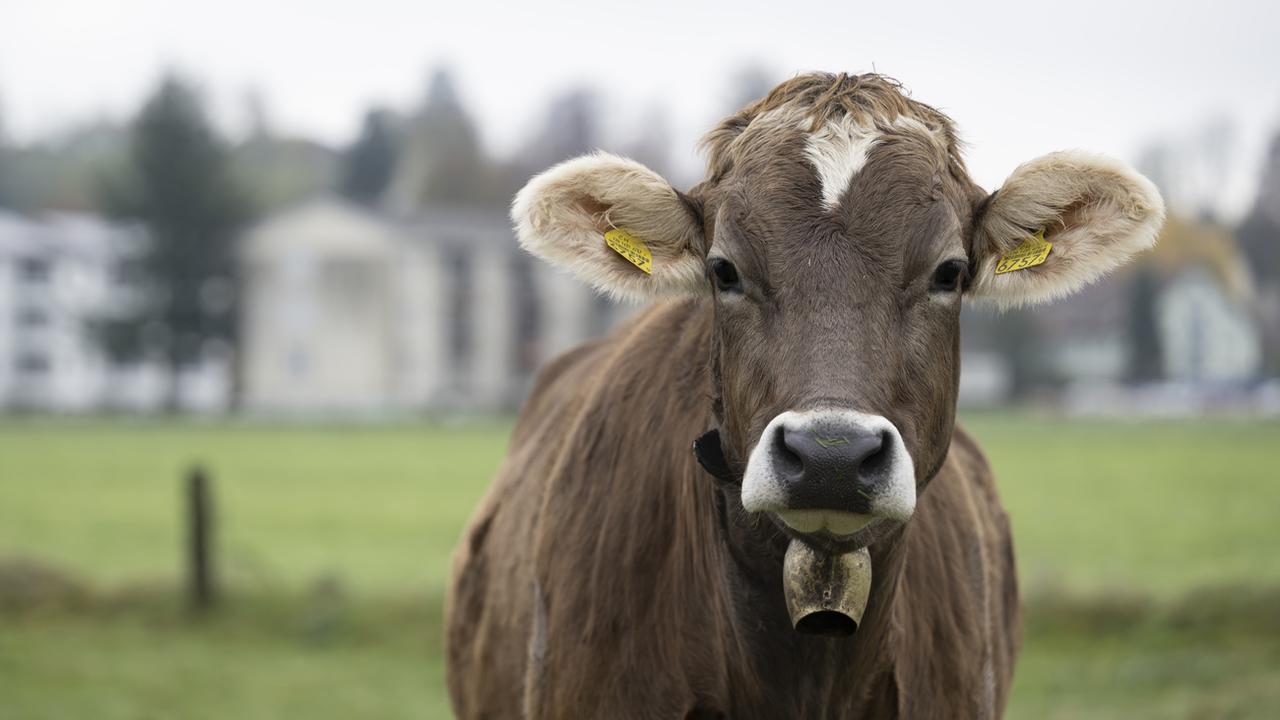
201,589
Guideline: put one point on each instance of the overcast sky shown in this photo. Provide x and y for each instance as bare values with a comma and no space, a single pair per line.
1108,76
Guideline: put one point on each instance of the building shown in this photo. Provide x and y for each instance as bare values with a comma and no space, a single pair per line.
60,274
56,273
351,311
348,311
1208,334
1259,235
1190,298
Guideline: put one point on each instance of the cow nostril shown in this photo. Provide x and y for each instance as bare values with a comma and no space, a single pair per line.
877,458
788,457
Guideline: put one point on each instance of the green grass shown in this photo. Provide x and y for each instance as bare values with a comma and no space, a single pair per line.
1148,668
1148,507
335,543
379,506
261,657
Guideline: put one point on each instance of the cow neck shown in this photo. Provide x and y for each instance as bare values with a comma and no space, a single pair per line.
757,549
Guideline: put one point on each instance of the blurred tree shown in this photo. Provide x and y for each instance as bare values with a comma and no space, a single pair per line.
62,172
443,161
1146,353
1215,143
257,116
181,189
1158,163
653,146
749,83
1259,232
1017,337
279,171
1019,341
572,128
5,200
1193,171
369,163
1259,236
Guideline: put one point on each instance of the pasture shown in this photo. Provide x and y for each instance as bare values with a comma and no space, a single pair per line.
1147,553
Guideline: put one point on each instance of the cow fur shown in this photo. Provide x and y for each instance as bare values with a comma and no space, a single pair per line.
607,575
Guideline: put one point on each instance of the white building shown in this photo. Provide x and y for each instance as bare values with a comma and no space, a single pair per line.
59,274
1208,336
347,311
56,272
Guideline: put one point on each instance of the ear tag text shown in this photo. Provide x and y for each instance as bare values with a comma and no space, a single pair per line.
1031,252
630,247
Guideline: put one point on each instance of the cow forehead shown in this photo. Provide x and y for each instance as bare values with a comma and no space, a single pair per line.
859,178
811,137
839,150
835,150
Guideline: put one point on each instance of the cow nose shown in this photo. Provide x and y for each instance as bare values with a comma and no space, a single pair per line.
833,456
830,465
832,470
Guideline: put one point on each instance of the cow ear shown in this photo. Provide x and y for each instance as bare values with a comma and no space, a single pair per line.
564,214
1095,212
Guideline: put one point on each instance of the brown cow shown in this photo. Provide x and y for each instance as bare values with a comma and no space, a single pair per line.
814,283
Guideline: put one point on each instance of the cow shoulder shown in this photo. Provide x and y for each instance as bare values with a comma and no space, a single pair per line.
994,536
959,598
491,609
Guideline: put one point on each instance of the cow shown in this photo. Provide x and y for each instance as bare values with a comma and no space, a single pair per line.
804,330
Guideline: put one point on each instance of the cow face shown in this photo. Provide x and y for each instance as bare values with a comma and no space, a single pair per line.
836,234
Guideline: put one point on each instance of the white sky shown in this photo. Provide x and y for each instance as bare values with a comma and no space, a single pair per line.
1106,75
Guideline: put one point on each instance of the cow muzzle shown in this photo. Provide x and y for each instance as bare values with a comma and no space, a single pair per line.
830,472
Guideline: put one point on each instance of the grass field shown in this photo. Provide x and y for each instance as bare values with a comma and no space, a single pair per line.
1147,554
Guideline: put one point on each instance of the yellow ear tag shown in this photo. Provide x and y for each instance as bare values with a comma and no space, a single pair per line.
1032,252
630,247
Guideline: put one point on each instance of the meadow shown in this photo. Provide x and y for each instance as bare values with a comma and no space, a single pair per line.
1147,555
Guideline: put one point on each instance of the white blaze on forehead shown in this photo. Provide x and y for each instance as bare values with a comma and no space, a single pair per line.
838,150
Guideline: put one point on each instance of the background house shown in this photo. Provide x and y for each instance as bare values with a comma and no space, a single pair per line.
57,272
1175,331
382,276
350,310
61,275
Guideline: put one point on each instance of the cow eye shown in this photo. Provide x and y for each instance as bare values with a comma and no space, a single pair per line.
724,275
949,276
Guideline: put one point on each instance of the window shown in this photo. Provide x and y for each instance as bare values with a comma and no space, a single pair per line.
527,314
458,270
298,362
32,363
126,273
34,269
32,317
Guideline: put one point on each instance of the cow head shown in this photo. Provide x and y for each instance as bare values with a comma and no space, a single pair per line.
837,233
